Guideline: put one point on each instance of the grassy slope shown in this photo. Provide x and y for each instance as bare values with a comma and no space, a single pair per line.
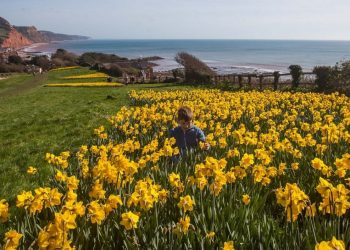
3,34
47,119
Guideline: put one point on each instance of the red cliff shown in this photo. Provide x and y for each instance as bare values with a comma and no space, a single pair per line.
15,40
20,36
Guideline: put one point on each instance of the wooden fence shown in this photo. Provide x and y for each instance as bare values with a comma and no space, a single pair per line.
250,78
257,79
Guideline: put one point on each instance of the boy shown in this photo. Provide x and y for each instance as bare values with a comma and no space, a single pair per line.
186,134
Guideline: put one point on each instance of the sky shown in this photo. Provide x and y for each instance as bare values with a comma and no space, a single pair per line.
185,19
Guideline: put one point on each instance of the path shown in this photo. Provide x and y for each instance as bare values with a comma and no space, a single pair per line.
27,85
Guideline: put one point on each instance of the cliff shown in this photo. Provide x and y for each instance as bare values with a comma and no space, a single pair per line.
5,29
51,36
32,33
19,36
15,39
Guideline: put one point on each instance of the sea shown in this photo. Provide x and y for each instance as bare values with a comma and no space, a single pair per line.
224,56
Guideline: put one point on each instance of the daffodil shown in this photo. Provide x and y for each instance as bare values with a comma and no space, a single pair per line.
129,220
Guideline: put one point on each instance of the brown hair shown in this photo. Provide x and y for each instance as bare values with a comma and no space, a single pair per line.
185,113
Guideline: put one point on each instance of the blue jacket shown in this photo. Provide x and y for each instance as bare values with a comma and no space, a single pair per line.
188,139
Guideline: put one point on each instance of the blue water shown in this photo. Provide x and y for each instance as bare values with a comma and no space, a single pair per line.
225,56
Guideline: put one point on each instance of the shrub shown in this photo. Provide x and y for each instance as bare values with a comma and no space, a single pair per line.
41,61
15,59
57,62
342,73
115,71
64,58
324,77
11,68
178,73
112,69
196,71
91,58
295,71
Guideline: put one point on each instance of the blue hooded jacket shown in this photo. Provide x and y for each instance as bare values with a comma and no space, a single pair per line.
188,139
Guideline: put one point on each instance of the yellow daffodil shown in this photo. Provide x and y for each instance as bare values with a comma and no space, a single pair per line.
32,170
246,199
129,220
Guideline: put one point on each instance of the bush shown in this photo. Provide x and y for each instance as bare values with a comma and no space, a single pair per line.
342,73
15,59
170,80
324,77
63,58
12,68
296,72
196,71
57,62
115,71
91,58
178,73
112,70
42,62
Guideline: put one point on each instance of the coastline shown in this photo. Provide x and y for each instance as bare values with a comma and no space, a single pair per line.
224,57
163,65
34,49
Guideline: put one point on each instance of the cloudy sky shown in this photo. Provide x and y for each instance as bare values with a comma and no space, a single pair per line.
185,19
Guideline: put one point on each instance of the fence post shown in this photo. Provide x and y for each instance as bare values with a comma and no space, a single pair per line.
249,81
261,77
276,77
240,81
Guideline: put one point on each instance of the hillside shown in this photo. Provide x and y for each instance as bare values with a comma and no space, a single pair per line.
51,36
32,33
10,37
19,36
5,29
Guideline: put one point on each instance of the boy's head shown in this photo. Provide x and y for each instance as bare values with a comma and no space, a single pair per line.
185,117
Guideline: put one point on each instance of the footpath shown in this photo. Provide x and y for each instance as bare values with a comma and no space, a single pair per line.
27,85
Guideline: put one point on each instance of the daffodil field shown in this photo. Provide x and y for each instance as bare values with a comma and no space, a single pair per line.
276,176
85,84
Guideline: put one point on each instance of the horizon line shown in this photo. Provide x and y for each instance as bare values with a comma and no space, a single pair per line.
228,39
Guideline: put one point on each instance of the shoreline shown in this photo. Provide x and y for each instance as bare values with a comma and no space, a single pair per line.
34,49
166,64
220,63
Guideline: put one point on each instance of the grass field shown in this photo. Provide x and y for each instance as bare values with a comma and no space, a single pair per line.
35,120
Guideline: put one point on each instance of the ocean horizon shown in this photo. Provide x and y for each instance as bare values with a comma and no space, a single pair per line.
225,56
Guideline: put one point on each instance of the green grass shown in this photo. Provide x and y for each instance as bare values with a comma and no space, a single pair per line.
43,119
57,76
13,82
3,34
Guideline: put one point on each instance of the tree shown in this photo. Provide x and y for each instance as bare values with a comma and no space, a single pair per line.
296,72
196,71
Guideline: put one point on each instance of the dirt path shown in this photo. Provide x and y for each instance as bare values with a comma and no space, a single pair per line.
25,86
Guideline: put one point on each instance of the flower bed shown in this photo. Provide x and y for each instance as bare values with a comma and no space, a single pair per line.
85,84
276,177
87,76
